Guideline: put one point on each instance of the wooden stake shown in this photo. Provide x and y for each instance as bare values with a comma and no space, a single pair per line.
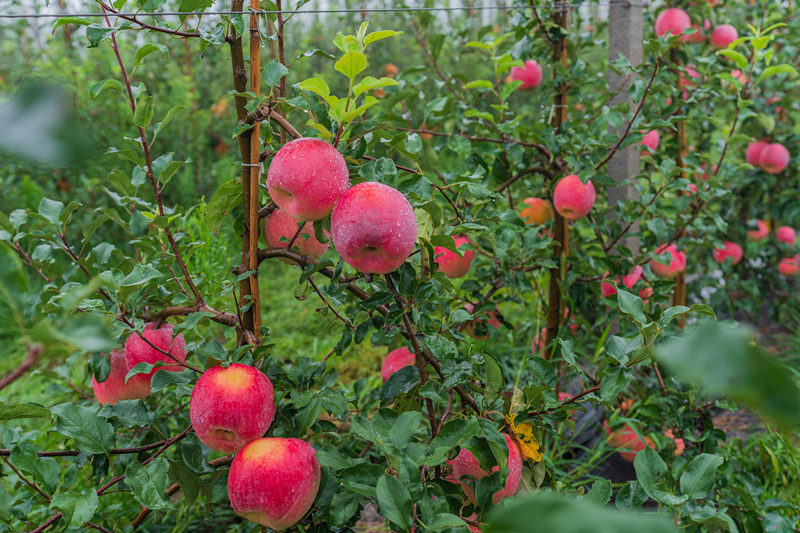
679,295
555,315
255,169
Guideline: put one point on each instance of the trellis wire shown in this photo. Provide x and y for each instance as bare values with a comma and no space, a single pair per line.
554,5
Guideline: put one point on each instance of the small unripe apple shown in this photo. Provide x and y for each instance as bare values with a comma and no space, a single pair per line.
729,249
530,75
374,228
789,266
231,406
626,438
274,481
676,265
787,235
761,233
114,388
754,150
279,228
394,361
465,464
572,198
651,140
774,158
538,211
306,178
137,350
723,35
672,21
450,263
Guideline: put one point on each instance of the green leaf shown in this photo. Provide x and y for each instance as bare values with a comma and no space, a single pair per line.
101,86
273,72
615,380
378,35
723,360
494,378
97,33
140,275
51,210
394,501
479,84
13,411
401,382
91,433
167,118
631,304
69,20
653,475
351,64
77,508
600,493
226,198
368,83
775,70
145,108
698,476
738,58
149,483
146,50
620,348
444,521
551,512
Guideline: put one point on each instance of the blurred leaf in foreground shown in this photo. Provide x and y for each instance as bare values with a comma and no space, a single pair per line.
724,360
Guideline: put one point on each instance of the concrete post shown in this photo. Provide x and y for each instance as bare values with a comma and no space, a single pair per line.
625,38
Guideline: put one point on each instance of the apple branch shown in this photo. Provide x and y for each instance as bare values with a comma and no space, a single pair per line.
146,26
34,352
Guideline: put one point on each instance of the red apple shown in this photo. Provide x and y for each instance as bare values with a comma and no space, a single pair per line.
626,438
137,350
729,249
680,445
774,158
306,178
530,75
787,235
280,225
538,212
450,263
723,35
394,361
698,36
114,388
629,280
231,406
739,76
374,228
572,198
672,21
761,233
754,150
274,481
651,140
789,266
465,464
676,265
645,294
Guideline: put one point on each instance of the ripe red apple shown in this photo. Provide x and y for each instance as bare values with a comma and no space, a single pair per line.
787,235
280,225
274,481
626,438
754,150
114,388
676,265
465,464
761,233
137,350
645,294
739,76
698,36
629,280
789,266
729,249
374,228
651,140
680,445
538,211
306,178
530,75
394,361
450,263
723,35
231,406
774,158
472,325
672,21
572,198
